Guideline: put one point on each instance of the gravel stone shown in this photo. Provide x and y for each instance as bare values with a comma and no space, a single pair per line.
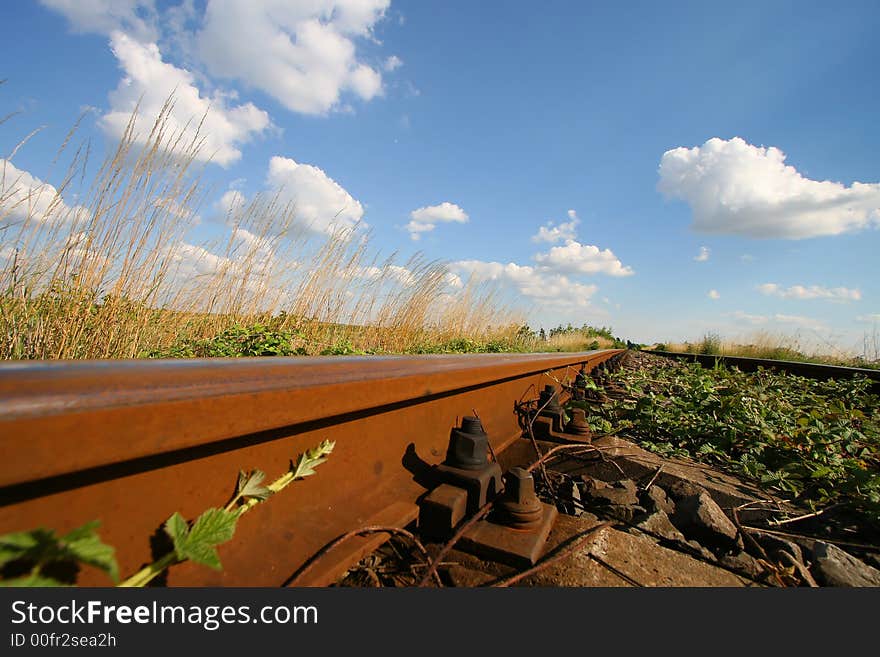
834,567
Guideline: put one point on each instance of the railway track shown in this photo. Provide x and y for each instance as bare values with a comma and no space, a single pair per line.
131,442
808,370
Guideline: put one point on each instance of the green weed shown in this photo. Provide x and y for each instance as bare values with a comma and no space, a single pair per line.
39,558
816,441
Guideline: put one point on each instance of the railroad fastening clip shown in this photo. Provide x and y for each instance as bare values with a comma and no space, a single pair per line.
465,481
516,530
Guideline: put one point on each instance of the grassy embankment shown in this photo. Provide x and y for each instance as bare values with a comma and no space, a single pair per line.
763,344
117,275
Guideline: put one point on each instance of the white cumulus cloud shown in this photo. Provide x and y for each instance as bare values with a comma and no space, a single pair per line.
304,54
136,17
321,203
577,258
425,219
810,292
736,188
26,197
552,233
149,81
544,288
703,255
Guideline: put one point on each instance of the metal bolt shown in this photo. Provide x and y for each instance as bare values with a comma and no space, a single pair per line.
471,424
578,423
549,400
468,446
519,507
519,486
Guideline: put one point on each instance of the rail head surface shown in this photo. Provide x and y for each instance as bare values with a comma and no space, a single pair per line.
58,417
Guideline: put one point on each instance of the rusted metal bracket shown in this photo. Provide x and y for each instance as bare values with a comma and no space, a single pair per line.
466,480
579,389
467,464
576,430
547,420
549,407
442,510
516,531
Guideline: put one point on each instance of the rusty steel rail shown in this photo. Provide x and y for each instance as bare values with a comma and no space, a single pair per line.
817,371
131,442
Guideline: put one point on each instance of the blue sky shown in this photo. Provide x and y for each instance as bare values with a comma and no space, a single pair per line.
694,168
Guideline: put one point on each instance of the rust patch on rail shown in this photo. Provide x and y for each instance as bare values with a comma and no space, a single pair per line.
129,443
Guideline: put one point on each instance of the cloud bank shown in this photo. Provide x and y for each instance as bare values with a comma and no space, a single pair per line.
736,188
303,54
804,292
542,287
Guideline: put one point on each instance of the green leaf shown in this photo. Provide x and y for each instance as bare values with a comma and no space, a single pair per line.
84,531
177,529
214,526
198,544
31,581
41,546
86,546
249,485
821,471
22,545
312,458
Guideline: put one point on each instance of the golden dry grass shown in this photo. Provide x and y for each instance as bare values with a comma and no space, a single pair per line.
779,346
116,277
576,341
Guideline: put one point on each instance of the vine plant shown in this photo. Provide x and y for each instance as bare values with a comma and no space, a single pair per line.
40,558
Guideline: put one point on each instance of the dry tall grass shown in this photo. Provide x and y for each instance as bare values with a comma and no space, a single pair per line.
777,346
115,277
576,342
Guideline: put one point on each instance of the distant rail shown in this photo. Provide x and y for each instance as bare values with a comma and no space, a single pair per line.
808,370
131,442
